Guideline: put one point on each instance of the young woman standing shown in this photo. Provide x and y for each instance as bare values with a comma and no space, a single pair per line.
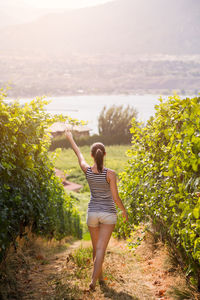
101,214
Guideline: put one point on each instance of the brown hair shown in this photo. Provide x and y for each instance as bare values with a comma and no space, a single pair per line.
98,151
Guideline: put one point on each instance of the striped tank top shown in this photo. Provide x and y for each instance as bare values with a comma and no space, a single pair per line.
101,197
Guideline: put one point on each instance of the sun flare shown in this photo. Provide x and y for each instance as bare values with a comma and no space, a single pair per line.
68,4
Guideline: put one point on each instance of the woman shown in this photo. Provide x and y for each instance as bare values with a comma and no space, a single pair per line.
101,214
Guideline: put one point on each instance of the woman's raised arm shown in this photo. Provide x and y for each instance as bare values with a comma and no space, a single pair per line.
77,151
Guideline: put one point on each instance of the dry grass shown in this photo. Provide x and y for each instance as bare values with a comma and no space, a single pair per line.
123,279
51,270
166,279
31,252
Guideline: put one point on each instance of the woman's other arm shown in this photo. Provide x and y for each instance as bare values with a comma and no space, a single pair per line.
77,151
114,190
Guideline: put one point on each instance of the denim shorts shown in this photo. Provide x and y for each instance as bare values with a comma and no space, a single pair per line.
96,218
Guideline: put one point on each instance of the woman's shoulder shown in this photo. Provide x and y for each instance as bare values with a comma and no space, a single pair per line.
111,173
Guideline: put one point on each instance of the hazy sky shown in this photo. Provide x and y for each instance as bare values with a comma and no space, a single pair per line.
68,4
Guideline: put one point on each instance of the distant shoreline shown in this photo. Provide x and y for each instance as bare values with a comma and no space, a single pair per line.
136,93
88,107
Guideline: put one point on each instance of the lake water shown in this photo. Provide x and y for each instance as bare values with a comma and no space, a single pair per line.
88,108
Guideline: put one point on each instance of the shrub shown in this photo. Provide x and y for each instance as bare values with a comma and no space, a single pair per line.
62,142
114,123
30,193
162,180
82,256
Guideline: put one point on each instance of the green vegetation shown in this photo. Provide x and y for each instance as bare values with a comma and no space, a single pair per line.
82,200
162,181
114,126
114,123
161,184
82,256
66,161
60,141
31,196
116,159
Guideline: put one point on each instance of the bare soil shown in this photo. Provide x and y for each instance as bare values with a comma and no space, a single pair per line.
145,274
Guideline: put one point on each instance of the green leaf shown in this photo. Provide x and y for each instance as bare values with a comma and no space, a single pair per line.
196,212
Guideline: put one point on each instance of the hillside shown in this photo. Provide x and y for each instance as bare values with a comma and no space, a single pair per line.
6,20
123,46
121,26
100,74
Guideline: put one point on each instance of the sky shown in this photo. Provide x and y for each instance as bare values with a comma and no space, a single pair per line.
68,4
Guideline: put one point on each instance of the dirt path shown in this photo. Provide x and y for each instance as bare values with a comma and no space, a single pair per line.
58,277
65,274
34,283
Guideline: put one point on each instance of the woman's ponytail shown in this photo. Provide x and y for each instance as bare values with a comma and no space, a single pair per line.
99,160
98,152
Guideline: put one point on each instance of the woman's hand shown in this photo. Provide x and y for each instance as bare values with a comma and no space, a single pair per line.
125,215
77,151
68,134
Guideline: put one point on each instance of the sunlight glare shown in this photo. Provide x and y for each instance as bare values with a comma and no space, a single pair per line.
68,4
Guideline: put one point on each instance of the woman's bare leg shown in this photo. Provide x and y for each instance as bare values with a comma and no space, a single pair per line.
105,232
94,233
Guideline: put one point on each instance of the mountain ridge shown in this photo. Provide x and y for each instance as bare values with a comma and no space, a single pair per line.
118,27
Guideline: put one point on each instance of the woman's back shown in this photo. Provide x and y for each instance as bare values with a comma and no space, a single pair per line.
101,196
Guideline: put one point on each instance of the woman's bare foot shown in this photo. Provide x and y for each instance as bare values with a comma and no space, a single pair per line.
101,280
92,286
